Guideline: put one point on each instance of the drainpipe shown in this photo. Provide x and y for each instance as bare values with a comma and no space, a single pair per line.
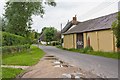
73,41
113,43
97,40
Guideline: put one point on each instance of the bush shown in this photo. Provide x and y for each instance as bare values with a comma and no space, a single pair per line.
87,49
13,49
35,41
55,43
9,39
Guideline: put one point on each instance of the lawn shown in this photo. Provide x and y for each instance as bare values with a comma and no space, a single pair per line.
26,58
10,73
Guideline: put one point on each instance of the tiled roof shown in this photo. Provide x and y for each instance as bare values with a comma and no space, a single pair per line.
100,23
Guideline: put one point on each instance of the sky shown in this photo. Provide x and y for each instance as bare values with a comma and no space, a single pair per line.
66,9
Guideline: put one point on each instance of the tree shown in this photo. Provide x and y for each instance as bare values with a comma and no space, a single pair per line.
3,23
19,15
116,30
43,29
58,36
49,34
0,24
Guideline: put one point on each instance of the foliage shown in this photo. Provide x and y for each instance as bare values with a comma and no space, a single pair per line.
43,29
55,43
83,50
10,72
49,34
18,15
25,58
14,49
116,30
58,36
87,49
9,39
35,41
36,35
0,24
3,23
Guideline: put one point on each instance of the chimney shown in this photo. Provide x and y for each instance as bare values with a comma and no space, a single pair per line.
74,21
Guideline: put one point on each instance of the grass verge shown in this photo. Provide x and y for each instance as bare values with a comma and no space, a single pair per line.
114,55
10,73
25,58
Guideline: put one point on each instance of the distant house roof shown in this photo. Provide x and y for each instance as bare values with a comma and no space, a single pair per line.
100,23
41,37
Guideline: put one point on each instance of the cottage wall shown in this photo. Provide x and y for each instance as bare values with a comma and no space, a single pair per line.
69,41
103,40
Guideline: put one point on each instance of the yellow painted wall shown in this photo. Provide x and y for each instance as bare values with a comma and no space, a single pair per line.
85,39
69,41
75,44
103,40
93,40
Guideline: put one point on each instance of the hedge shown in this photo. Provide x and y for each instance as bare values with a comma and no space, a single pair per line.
9,39
13,49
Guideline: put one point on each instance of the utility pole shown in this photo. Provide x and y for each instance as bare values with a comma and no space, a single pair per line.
61,34
37,37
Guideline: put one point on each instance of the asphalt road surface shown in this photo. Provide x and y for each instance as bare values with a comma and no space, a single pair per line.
104,67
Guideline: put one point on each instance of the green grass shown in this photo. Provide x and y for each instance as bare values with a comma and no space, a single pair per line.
10,72
114,55
26,58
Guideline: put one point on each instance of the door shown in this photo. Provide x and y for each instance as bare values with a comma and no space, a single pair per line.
79,42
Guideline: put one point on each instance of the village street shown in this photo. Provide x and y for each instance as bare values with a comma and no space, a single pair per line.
104,67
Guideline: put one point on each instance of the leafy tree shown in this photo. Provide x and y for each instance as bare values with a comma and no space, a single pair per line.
3,23
19,15
116,30
43,29
49,34
37,35
0,24
58,36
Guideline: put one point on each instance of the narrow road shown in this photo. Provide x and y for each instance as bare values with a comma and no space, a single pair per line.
104,67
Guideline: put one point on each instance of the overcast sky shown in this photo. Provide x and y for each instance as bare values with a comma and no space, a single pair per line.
66,9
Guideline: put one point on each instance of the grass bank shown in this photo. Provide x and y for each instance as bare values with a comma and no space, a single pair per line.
25,58
114,55
10,73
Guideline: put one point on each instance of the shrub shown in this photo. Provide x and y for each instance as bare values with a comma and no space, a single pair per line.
35,41
87,49
9,39
55,43
13,49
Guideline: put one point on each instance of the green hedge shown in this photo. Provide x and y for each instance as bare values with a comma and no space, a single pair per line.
9,39
13,49
55,43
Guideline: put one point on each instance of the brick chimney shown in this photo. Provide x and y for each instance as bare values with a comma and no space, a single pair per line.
74,21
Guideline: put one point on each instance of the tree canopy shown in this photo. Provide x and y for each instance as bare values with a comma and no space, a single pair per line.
0,23
50,34
116,30
18,15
